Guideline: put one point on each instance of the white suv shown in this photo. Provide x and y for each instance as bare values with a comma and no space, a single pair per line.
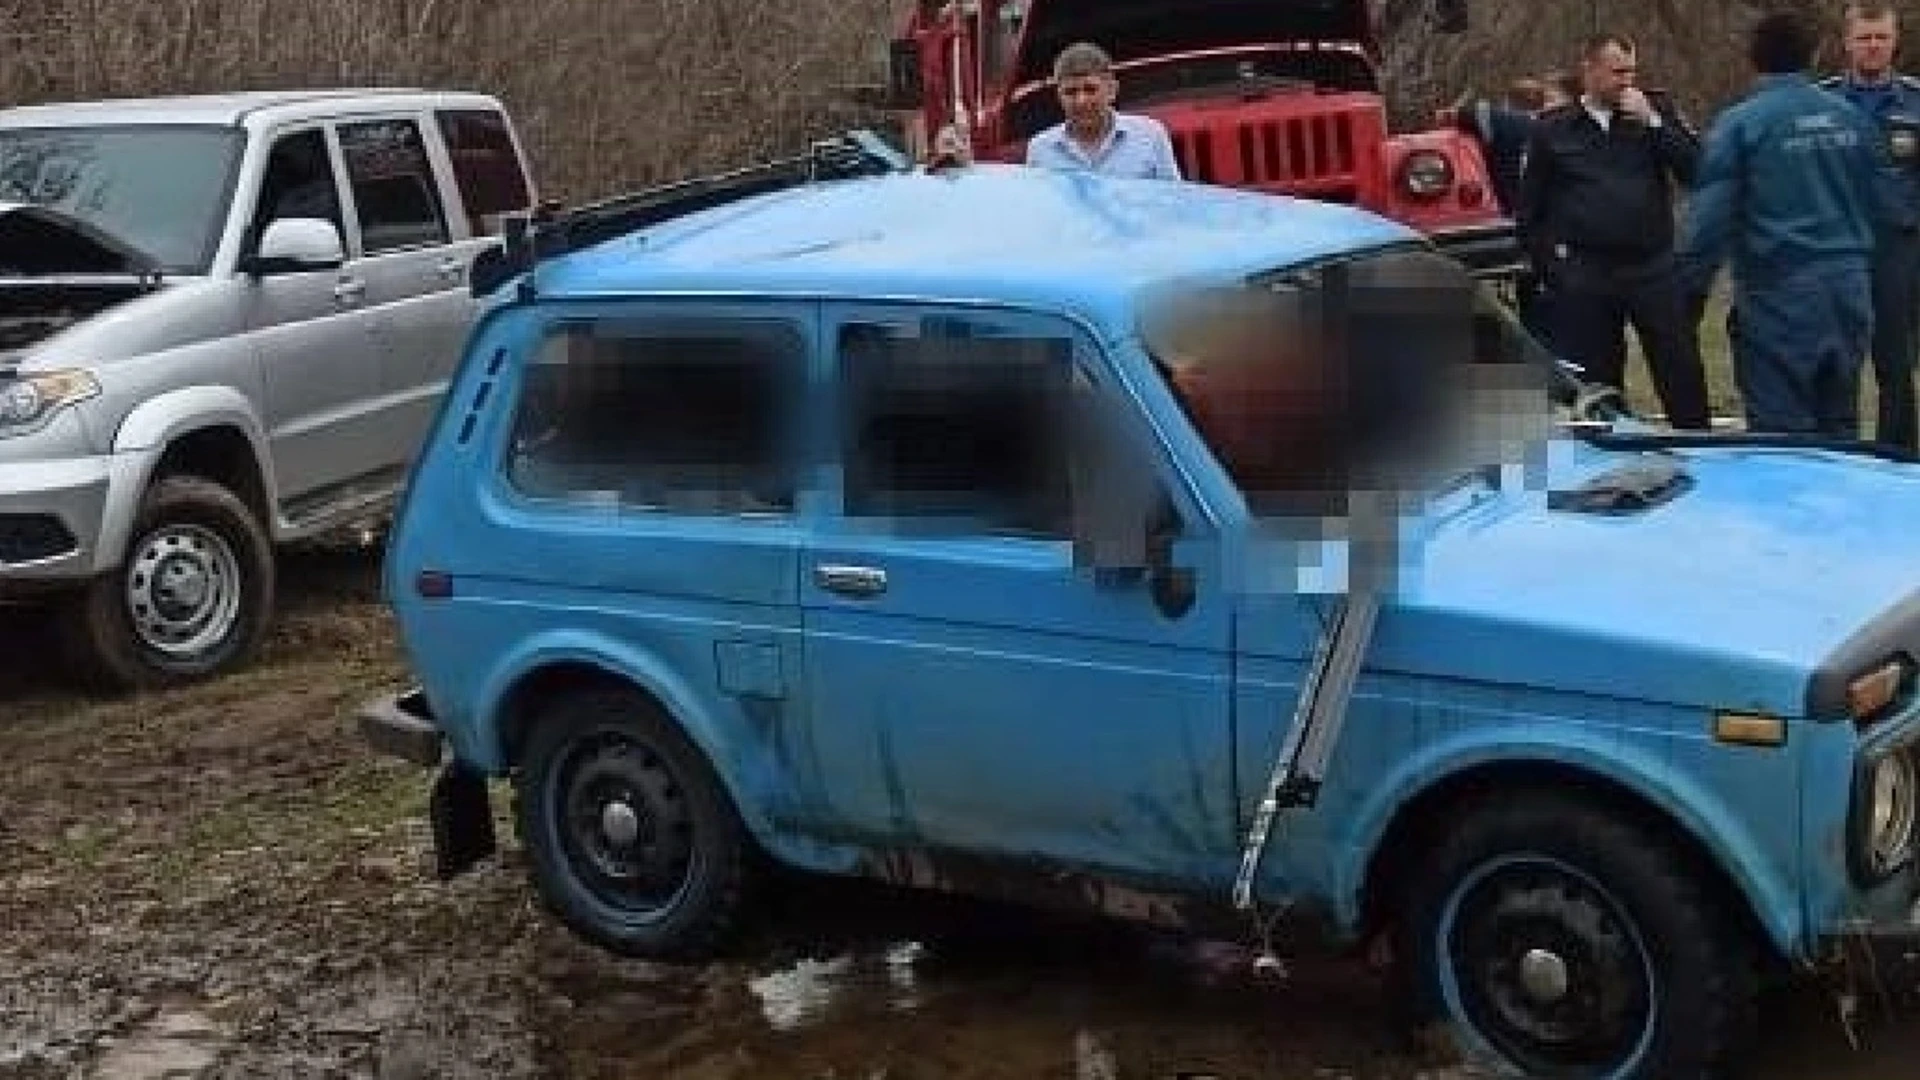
225,322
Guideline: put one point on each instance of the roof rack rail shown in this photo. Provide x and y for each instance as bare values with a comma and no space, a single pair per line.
547,233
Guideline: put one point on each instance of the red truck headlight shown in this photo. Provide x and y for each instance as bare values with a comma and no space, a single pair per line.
1426,174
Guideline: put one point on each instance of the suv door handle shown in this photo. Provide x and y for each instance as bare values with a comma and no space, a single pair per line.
351,289
851,580
451,269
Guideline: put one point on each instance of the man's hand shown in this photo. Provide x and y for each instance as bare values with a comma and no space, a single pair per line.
1633,103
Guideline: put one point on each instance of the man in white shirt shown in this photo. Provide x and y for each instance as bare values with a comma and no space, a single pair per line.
1095,137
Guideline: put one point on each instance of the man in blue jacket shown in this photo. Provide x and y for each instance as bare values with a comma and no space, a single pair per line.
1892,102
1789,187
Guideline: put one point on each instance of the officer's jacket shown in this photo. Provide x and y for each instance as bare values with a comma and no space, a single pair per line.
1894,108
1605,193
1790,177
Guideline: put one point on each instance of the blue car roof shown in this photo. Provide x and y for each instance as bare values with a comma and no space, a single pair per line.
995,233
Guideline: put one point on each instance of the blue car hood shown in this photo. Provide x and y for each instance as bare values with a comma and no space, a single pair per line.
1775,566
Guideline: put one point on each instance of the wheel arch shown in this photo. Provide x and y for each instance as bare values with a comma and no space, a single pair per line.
1420,819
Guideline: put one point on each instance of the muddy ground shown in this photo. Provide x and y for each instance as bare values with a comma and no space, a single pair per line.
224,883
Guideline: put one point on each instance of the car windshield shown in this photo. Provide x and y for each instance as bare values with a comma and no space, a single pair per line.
1392,373
160,190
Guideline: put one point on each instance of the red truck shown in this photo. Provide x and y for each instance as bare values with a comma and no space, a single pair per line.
1276,95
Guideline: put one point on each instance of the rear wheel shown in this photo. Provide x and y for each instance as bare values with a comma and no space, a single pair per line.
191,598
633,843
1558,940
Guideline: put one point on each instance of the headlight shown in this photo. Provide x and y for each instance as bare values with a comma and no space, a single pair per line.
1891,812
27,401
1426,174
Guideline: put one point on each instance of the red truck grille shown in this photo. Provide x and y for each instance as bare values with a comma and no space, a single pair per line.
1308,155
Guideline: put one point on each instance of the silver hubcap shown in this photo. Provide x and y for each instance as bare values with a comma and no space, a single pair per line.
183,591
1544,976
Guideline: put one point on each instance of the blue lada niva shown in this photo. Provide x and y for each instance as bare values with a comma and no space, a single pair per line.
1177,553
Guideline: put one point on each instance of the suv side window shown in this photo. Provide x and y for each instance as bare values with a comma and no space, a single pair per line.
683,415
299,182
393,184
486,167
946,430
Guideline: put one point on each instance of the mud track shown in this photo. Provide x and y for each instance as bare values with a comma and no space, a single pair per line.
224,883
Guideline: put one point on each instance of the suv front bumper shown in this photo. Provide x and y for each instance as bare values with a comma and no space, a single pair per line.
51,514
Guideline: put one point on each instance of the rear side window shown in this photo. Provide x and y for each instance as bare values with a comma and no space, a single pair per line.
486,167
685,416
393,186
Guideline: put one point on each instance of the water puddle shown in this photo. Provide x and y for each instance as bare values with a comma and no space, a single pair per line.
174,1045
810,991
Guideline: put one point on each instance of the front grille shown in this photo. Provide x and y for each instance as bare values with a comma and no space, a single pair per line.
28,538
1310,155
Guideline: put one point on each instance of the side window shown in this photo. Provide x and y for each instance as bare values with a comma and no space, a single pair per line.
298,183
393,185
951,432
486,167
690,416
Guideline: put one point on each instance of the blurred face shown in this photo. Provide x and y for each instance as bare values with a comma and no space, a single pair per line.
1086,99
1609,73
1870,44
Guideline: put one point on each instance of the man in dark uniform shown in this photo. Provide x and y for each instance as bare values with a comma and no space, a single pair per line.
1791,186
1892,102
1596,214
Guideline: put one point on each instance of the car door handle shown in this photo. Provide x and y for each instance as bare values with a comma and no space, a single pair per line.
349,290
451,269
851,580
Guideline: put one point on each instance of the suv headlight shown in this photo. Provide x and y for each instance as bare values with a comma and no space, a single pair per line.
1426,174
28,401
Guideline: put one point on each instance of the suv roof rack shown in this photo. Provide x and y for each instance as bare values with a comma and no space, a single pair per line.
548,232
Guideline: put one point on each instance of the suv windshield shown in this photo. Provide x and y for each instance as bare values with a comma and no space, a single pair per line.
161,190
1392,373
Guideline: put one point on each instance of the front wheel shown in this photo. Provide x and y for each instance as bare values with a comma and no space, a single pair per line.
1557,939
191,598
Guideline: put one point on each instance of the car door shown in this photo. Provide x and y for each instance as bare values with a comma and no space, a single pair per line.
319,360
645,498
414,273
973,684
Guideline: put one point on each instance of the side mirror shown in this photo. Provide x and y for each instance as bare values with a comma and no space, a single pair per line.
298,245
1451,16
1126,524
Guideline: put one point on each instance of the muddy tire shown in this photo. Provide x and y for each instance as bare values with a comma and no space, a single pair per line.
1554,938
192,596
632,841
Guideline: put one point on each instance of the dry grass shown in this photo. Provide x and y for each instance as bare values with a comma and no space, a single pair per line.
612,94
609,93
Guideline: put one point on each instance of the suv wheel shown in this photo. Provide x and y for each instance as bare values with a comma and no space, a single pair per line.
632,841
191,597
1556,939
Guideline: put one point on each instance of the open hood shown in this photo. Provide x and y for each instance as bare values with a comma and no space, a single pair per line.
1141,29
37,241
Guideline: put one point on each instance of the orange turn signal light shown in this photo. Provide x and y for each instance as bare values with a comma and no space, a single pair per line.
1872,692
